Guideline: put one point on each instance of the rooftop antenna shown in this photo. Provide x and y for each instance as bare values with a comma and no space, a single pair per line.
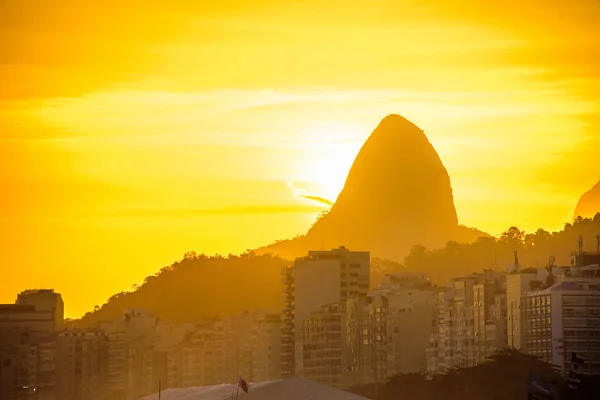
516,266
550,277
550,265
580,245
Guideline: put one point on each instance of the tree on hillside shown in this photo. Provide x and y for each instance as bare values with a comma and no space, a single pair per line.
199,287
534,250
513,238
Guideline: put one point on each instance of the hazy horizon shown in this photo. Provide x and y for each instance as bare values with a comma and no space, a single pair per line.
128,141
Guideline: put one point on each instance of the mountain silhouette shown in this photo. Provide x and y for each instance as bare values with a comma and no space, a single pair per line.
397,194
589,203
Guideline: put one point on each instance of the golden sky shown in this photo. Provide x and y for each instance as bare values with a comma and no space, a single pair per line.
133,131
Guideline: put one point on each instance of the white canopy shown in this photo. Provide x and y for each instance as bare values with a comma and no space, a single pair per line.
281,389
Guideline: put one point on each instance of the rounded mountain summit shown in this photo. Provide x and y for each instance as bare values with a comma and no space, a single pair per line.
397,195
589,204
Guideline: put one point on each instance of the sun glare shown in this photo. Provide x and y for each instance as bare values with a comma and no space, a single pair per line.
334,147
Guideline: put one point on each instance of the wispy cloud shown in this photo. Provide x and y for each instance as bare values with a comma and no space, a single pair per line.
304,194
317,199
168,213
221,211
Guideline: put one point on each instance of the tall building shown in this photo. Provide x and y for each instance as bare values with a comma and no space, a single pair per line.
45,300
34,317
463,321
518,283
323,355
209,355
439,351
409,316
365,359
127,336
221,350
264,347
65,365
35,312
387,332
470,324
489,315
80,362
565,318
20,323
318,279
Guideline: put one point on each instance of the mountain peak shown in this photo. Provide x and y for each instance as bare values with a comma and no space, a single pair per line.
396,195
589,204
395,120
396,125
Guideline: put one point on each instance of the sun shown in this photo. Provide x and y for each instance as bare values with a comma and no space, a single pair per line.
333,149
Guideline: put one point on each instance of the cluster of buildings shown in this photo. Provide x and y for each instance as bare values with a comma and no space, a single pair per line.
130,357
334,328
340,332
550,312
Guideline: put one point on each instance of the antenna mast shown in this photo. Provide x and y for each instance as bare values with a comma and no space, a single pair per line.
516,267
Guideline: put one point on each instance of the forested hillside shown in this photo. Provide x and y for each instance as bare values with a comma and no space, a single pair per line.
199,286
534,250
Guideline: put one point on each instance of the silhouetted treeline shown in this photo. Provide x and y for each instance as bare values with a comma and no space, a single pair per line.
199,286
534,250
504,377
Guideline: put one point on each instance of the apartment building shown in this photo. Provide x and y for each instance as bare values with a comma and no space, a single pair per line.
366,340
318,279
221,350
518,283
80,361
323,355
387,331
205,356
44,300
209,355
565,318
34,316
65,365
489,315
134,329
470,324
34,312
409,317
462,321
264,348
439,350
129,358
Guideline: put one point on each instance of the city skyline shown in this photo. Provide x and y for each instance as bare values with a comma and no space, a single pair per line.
282,199
344,333
129,141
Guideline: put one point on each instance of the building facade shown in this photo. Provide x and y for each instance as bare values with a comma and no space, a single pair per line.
470,324
565,318
324,347
318,279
